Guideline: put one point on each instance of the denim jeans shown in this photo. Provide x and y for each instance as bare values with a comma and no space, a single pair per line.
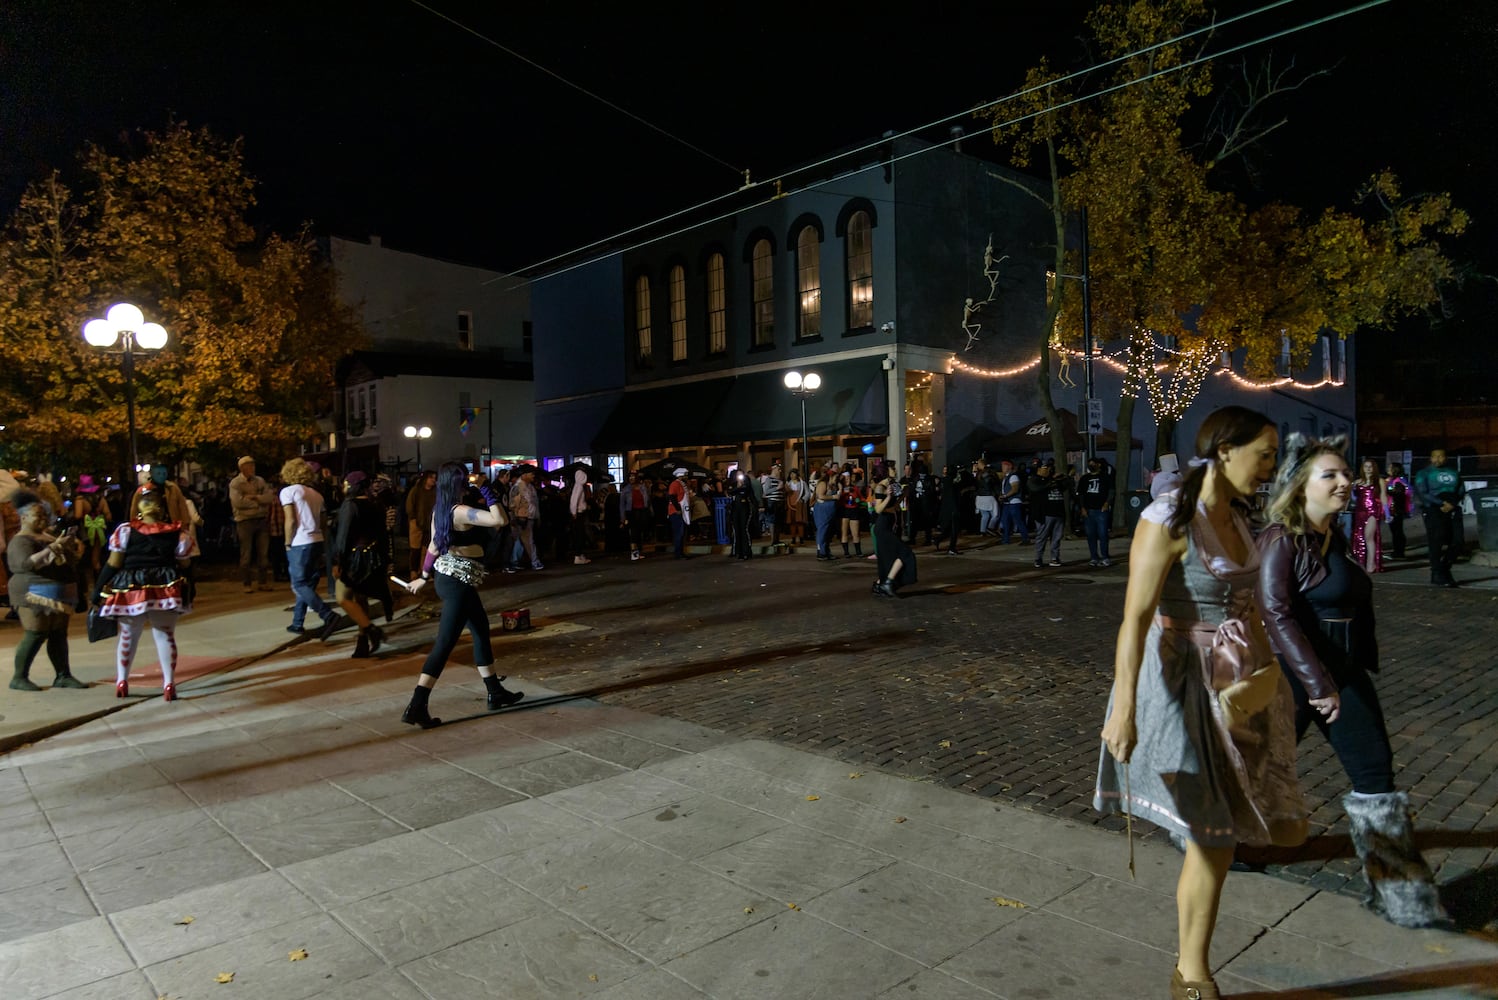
1097,534
305,563
988,513
1012,521
1050,531
823,515
678,536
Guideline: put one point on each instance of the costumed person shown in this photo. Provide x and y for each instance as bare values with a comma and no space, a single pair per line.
361,563
144,585
1370,498
1401,506
1200,734
43,590
91,512
1318,608
741,513
896,557
824,511
10,523
578,507
302,513
461,518
796,491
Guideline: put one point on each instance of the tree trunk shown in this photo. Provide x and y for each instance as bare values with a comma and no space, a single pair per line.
1165,437
1124,457
1043,372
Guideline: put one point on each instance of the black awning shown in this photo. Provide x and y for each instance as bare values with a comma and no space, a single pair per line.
661,418
851,400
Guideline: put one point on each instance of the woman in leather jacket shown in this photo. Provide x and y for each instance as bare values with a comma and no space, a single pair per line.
1318,610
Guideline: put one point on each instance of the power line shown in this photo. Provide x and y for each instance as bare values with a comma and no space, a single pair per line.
1305,26
577,87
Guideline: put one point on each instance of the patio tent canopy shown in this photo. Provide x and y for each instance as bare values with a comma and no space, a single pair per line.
1035,438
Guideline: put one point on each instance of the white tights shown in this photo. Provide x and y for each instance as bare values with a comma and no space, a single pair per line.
164,626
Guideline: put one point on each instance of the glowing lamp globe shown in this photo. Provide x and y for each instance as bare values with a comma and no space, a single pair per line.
100,332
125,316
152,336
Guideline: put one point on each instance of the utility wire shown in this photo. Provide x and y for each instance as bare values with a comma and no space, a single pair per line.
1305,26
577,87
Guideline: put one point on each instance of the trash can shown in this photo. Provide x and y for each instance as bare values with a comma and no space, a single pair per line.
1134,505
720,517
1485,501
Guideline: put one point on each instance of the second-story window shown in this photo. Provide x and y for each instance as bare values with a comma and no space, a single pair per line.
678,313
764,294
809,284
860,271
642,317
717,305
465,331
374,409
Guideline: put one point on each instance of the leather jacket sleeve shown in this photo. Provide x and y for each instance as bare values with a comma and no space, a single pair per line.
1284,571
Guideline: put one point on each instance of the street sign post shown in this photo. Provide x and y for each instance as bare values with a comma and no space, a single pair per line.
1094,416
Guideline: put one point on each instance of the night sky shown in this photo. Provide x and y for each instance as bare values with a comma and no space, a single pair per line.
382,118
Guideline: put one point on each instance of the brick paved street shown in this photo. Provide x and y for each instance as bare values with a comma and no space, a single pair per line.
992,677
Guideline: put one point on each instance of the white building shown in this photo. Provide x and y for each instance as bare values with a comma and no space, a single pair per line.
450,345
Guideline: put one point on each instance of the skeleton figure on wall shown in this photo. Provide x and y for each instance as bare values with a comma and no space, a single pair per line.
1063,375
970,308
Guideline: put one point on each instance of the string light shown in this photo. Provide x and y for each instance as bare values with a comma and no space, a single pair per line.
993,372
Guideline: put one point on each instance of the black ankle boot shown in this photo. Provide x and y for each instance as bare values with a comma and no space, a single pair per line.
361,648
499,696
858,548
416,713
376,639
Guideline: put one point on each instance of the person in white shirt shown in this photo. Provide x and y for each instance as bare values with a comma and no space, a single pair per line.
301,506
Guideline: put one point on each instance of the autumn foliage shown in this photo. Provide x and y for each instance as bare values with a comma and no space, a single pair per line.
1177,257
254,329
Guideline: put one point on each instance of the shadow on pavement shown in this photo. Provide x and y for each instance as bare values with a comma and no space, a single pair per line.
1404,983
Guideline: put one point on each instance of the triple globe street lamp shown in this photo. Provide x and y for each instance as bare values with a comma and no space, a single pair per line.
417,434
803,386
125,322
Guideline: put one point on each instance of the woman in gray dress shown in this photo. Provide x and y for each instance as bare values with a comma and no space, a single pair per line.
1200,735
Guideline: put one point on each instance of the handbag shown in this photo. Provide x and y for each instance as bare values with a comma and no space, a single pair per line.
101,626
364,562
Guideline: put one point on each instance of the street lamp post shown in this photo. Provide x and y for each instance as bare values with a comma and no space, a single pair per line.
803,386
418,434
125,322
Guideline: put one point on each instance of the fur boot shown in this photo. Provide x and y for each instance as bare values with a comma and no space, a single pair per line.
1401,887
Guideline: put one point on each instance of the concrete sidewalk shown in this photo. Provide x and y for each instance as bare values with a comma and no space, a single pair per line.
571,849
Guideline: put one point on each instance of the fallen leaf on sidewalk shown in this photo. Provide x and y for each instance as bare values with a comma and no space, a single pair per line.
856,774
981,753
224,977
945,744
899,819
748,909
1006,901
792,906
582,888
185,921
593,978
1439,949
296,956
813,798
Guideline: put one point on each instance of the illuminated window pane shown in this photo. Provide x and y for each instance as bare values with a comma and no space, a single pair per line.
678,313
860,272
764,294
642,317
809,283
717,305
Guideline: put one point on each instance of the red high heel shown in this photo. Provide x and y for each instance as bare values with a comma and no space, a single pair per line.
169,693
122,689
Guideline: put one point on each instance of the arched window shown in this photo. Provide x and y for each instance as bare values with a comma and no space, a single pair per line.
642,317
808,284
678,313
717,305
764,294
860,271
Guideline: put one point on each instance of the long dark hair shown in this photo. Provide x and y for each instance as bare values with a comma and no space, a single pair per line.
452,485
1229,427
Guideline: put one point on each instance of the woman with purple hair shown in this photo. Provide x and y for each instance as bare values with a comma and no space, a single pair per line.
462,519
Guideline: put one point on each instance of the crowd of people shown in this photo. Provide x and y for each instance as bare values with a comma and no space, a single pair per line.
1236,636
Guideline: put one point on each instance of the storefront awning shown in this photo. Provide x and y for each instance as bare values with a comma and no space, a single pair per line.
756,407
851,400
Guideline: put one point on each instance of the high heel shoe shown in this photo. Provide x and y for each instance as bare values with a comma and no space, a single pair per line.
122,689
1180,989
169,693
376,638
361,647
419,716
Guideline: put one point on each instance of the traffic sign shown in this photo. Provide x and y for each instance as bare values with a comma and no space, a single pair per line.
1094,416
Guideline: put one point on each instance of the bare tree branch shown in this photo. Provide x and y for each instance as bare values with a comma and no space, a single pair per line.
1236,121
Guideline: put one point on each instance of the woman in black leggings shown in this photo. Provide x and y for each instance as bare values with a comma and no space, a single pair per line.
461,522
1318,610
